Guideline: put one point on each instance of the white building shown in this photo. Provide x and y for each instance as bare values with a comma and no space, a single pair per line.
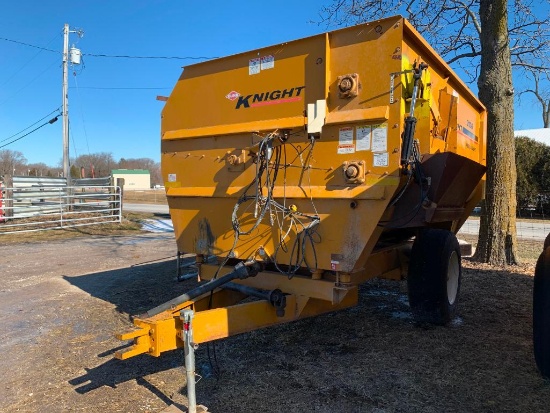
134,179
540,135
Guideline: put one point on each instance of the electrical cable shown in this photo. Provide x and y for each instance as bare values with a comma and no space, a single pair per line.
28,61
30,45
31,125
305,233
264,180
113,56
34,130
124,88
29,83
73,145
151,57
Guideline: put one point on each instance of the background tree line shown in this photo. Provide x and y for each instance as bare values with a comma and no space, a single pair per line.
97,165
533,177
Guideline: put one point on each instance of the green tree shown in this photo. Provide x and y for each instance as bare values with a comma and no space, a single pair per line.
75,172
531,157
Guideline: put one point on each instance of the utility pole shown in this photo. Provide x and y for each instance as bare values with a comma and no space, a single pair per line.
66,170
73,58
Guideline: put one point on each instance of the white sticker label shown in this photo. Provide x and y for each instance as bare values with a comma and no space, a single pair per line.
345,141
380,137
254,66
343,149
267,62
363,138
380,159
171,177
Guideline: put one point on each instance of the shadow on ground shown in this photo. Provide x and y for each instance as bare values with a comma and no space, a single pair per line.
372,357
133,290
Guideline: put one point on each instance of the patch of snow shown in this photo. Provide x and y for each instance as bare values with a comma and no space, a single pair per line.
157,225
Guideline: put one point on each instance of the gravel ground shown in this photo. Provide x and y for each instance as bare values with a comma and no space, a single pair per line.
62,301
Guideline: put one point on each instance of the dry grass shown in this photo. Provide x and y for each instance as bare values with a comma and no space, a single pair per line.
528,250
131,224
152,196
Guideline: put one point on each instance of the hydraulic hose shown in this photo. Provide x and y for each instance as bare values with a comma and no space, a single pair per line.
240,271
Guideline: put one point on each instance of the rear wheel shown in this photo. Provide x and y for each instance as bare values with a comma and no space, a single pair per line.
434,276
541,313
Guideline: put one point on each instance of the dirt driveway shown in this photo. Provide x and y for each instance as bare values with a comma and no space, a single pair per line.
61,302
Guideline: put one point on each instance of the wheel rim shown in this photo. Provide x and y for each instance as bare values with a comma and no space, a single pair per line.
453,273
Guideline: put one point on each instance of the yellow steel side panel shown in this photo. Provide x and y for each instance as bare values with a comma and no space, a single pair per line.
259,125
378,113
459,110
372,51
229,92
470,136
201,165
205,228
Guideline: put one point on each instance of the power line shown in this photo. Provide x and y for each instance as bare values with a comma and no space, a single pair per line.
27,62
123,88
30,45
114,56
73,145
150,57
31,125
29,83
53,120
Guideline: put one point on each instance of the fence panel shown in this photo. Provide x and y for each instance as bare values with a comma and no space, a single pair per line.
38,203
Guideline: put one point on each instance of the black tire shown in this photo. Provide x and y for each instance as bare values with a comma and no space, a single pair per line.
434,276
541,313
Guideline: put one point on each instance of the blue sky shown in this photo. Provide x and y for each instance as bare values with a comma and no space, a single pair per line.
126,121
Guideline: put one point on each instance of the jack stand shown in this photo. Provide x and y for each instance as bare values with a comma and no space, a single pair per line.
189,350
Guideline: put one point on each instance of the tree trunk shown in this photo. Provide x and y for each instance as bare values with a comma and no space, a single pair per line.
497,235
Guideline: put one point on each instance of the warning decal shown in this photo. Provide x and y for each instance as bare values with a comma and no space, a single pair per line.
363,138
380,159
345,141
254,66
380,137
267,62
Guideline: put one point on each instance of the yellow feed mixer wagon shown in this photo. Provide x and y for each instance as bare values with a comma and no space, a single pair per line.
298,171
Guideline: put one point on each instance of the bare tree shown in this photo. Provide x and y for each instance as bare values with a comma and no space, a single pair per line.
101,163
12,163
497,231
478,38
38,169
541,94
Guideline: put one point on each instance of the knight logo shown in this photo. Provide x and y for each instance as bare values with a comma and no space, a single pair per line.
272,97
232,95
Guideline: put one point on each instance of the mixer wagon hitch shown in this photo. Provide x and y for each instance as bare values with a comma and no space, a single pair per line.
219,313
